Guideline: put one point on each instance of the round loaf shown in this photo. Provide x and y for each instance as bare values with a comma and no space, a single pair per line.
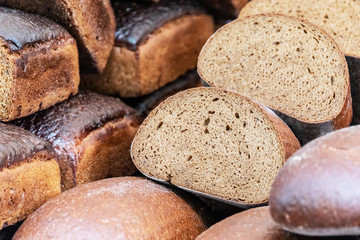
117,208
316,192
253,224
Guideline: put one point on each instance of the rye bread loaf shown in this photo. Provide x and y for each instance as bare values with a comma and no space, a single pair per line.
155,44
340,19
316,192
289,65
91,23
117,208
254,224
29,174
38,64
214,142
91,135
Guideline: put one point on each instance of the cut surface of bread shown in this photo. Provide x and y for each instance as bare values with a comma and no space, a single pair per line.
214,142
340,19
289,65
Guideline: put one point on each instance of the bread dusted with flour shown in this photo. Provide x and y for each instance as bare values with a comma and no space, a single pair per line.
117,208
91,23
214,142
91,135
290,66
38,64
316,191
29,174
175,30
340,19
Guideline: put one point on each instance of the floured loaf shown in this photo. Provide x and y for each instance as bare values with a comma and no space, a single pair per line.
215,142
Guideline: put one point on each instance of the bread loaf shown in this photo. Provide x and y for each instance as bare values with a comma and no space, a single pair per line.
340,19
173,29
29,174
290,66
91,135
91,23
117,208
214,142
254,224
316,192
38,64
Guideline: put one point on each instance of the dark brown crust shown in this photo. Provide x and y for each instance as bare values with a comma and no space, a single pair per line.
91,23
19,28
135,21
354,70
148,102
18,145
254,224
307,132
316,192
56,79
225,8
67,124
127,207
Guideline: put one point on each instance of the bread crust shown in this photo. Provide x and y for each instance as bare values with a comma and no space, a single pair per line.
131,73
126,208
92,24
85,140
225,9
354,70
26,186
313,194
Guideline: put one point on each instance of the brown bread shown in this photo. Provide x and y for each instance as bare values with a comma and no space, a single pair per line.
91,23
279,61
214,142
91,135
316,192
29,174
38,64
117,208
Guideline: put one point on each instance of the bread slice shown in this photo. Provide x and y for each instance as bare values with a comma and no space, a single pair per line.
214,142
316,192
29,174
340,19
39,64
91,135
174,30
91,23
117,208
289,65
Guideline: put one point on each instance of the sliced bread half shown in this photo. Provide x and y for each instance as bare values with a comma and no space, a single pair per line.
340,19
214,142
291,66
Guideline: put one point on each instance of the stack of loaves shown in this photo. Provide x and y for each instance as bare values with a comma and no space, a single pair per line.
96,91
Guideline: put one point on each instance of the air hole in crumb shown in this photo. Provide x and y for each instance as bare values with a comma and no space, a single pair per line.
256,23
215,99
211,112
206,122
332,80
189,158
237,115
206,130
305,31
276,43
326,16
298,49
159,125
228,128
184,130
334,96
244,124
251,111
